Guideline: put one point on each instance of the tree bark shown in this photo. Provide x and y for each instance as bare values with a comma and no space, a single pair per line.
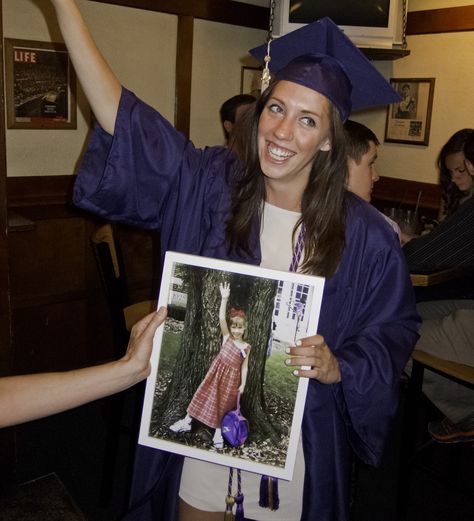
201,341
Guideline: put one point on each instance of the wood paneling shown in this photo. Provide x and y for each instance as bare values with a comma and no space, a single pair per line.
400,193
446,20
225,11
40,190
7,438
60,316
184,65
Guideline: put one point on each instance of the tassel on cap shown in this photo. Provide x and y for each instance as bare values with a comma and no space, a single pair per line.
238,499
229,503
269,497
239,513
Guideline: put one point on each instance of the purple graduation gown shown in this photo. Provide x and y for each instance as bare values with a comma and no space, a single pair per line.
150,175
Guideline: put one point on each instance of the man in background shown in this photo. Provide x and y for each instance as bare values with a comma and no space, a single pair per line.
231,111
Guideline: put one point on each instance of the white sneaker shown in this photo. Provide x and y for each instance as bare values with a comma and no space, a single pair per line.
218,441
183,425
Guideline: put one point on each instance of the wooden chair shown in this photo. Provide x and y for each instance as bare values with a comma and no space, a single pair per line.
110,264
124,315
412,425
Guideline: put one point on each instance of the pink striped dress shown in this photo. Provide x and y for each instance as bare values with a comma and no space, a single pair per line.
217,393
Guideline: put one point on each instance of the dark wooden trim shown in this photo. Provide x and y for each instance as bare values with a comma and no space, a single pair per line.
450,19
5,340
389,191
7,436
225,11
184,65
40,190
384,54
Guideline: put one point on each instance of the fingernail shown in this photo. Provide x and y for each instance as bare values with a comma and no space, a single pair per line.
287,350
288,361
296,373
298,342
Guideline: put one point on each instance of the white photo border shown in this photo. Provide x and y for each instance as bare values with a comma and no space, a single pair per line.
314,307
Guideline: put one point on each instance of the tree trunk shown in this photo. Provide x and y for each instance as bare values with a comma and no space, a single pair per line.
201,340
261,299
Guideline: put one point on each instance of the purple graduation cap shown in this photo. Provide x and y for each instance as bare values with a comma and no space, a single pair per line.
321,57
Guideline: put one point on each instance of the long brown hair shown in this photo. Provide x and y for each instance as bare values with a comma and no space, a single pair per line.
322,206
449,191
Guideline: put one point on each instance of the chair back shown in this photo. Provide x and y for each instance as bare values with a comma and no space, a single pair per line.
110,265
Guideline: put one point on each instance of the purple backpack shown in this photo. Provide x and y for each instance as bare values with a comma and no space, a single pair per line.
235,428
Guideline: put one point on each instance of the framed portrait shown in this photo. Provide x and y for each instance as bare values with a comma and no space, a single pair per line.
408,121
251,80
40,85
223,348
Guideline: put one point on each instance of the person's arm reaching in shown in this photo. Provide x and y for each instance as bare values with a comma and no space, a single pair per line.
28,397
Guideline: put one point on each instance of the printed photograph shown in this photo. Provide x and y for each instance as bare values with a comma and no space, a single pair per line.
219,389
409,120
40,85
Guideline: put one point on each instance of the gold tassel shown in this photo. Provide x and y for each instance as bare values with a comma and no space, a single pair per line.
229,515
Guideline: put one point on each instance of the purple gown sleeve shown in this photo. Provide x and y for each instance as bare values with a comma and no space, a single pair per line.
149,175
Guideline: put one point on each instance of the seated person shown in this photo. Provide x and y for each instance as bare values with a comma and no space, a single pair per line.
362,146
451,244
456,176
447,332
29,397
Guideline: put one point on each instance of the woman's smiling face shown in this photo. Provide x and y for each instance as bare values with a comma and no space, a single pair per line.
293,127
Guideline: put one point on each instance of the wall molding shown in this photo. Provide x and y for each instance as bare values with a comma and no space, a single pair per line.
39,190
402,193
450,19
225,11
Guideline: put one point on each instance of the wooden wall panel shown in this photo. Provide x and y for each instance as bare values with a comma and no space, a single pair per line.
60,315
400,193
225,11
7,438
450,19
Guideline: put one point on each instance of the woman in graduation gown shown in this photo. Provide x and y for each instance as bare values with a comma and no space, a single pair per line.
138,169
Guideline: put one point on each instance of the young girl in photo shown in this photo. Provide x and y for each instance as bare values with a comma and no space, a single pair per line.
225,378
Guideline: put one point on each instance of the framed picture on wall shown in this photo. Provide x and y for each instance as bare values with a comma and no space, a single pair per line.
250,80
409,120
40,85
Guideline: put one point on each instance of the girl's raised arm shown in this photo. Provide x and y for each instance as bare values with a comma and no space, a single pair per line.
225,293
99,82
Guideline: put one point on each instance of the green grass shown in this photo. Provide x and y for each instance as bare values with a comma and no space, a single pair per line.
278,376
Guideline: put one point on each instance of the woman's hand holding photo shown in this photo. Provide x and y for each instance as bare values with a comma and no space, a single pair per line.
313,352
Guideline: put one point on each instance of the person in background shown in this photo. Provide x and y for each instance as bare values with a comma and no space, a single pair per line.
447,332
283,206
29,397
456,175
362,146
230,113
451,243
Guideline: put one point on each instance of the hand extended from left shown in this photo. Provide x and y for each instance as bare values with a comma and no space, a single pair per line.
314,353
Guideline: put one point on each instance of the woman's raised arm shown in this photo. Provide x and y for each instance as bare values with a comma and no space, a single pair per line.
101,86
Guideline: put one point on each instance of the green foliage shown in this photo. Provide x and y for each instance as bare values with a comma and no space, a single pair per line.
278,376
